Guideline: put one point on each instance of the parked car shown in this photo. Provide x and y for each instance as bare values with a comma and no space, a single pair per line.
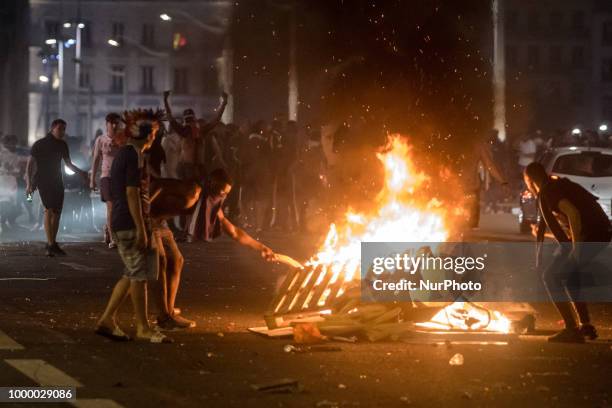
591,167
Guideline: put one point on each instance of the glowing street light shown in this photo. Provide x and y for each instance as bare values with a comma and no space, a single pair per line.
81,25
67,25
576,131
114,43
43,78
51,41
603,127
165,17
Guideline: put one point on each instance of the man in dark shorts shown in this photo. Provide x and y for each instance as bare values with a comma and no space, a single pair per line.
105,150
579,224
44,172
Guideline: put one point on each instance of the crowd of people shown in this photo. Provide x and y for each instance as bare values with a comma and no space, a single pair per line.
266,160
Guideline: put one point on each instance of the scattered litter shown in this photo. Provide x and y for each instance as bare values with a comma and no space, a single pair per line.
341,386
282,386
307,333
327,404
220,334
405,400
466,395
352,339
290,348
543,388
552,374
456,360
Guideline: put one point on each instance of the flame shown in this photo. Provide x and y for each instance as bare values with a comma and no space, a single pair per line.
398,216
468,316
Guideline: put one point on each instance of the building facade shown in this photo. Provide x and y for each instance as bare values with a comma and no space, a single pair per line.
558,63
91,57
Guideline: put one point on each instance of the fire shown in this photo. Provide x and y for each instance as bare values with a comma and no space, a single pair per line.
399,215
468,316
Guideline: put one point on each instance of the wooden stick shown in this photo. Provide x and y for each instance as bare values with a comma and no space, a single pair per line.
287,260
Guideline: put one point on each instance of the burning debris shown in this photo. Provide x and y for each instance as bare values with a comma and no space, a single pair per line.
326,291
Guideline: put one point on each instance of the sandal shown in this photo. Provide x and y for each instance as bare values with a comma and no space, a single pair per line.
115,334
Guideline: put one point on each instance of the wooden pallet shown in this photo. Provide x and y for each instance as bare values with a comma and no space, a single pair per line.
304,295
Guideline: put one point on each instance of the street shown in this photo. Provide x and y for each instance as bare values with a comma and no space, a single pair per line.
46,338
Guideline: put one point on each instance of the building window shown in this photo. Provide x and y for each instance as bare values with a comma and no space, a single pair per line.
117,78
607,33
512,20
578,21
511,56
533,56
181,82
578,57
52,29
556,20
118,30
148,35
533,22
577,95
554,91
84,77
147,79
606,107
606,70
555,55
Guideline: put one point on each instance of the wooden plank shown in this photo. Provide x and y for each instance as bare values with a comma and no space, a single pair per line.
307,290
313,302
285,306
282,291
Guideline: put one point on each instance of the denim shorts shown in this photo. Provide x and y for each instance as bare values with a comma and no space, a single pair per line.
140,265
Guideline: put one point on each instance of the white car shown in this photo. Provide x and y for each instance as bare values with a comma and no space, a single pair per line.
591,167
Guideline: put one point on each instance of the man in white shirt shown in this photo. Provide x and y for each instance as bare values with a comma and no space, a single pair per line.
105,149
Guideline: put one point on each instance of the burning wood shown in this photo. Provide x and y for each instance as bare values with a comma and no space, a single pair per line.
327,289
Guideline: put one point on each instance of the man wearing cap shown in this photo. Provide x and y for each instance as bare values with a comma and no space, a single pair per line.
105,150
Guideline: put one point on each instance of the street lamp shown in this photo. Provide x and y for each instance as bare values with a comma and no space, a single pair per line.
576,131
43,78
112,42
603,127
51,41
165,17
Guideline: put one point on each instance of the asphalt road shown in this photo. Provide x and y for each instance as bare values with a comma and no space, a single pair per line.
46,337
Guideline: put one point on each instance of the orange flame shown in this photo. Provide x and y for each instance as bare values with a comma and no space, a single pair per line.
399,216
